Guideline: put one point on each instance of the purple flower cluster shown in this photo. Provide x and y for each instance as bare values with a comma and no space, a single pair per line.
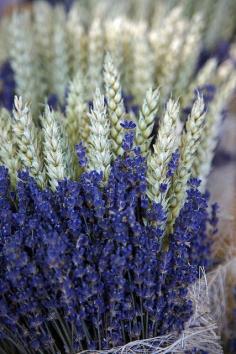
81,154
208,93
84,268
7,84
221,52
173,164
67,3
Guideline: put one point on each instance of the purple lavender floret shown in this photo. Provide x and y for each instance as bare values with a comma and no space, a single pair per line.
163,187
173,164
83,267
128,124
128,141
81,154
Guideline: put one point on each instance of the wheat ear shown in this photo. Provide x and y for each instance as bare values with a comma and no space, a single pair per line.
99,154
116,109
145,123
190,140
26,136
164,147
53,149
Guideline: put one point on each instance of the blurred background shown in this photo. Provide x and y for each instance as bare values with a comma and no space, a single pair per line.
6,6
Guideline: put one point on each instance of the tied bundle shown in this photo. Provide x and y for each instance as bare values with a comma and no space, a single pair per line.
105,225
103,252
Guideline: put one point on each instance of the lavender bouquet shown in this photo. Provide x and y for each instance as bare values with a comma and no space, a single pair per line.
104,252
105,228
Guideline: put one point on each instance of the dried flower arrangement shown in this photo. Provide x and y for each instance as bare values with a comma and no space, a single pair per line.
99,260
105,223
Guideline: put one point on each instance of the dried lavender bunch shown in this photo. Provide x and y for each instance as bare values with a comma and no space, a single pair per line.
86,289
68,286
